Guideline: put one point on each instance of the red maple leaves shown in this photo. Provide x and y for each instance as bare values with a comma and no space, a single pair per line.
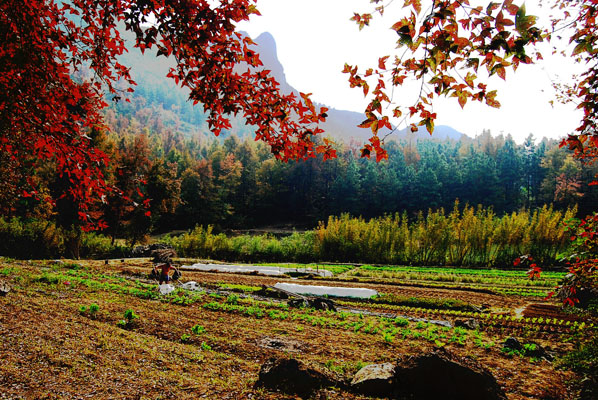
442,46
58,58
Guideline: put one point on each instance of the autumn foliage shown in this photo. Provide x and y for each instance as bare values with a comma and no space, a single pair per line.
453,48
444,45
581,284
59,65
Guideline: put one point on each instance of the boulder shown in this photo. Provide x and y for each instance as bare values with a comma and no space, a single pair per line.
537,351
318,303
442,375
530,349
470,323
292,377
4,289
374,380
513,344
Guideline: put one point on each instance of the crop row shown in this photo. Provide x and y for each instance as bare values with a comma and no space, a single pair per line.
461,271
533,323
184,297
388,328
454,279
520,291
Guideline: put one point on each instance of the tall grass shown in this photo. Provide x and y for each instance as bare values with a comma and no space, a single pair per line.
467,237
471,237
203,243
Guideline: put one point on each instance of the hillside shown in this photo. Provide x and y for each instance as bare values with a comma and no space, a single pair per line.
158,98
342,124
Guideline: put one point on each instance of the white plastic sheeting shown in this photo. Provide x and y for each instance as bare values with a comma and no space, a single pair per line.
192,285
360,293
254,268
166,288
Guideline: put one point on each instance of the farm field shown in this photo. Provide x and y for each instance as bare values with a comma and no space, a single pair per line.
86,329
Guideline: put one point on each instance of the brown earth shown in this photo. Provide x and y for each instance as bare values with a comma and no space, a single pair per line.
50,350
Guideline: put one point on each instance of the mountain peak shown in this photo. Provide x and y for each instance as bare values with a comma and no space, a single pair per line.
267,40
266,47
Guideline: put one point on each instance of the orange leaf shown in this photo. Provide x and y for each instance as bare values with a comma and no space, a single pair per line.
382,62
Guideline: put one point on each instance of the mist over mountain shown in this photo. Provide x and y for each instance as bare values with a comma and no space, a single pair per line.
157,100
342,124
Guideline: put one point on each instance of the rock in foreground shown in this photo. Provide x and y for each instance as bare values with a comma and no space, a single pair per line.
374,380
441,375
292,376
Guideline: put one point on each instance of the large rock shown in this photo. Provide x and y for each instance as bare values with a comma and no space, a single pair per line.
317,302
4,289
530,349
441,375
374,380
513,344
292,376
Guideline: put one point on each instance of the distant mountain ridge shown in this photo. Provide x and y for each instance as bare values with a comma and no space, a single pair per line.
342,124
170,105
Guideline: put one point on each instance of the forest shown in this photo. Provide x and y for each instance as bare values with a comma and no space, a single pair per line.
173,177
178,181
174,181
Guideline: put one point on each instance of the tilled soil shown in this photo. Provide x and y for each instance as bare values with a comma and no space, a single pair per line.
50,349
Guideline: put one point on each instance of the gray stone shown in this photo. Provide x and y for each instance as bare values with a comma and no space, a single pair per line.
4,289
374,380
537,351
513,344
470,323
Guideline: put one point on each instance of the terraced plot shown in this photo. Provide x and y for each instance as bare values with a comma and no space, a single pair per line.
85,329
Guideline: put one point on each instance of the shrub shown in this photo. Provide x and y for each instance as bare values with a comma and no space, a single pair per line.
93,308
129,319
30,239
94,245
33,239
467,237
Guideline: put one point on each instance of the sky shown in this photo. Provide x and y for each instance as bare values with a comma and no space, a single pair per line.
315,38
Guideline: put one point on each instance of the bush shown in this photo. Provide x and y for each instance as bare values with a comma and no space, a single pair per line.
468,237
97,246
30,239
202,243
584,361
33,239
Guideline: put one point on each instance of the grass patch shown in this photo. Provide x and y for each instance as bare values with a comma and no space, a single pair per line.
442,304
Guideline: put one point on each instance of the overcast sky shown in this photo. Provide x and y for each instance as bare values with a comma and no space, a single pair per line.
315,38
